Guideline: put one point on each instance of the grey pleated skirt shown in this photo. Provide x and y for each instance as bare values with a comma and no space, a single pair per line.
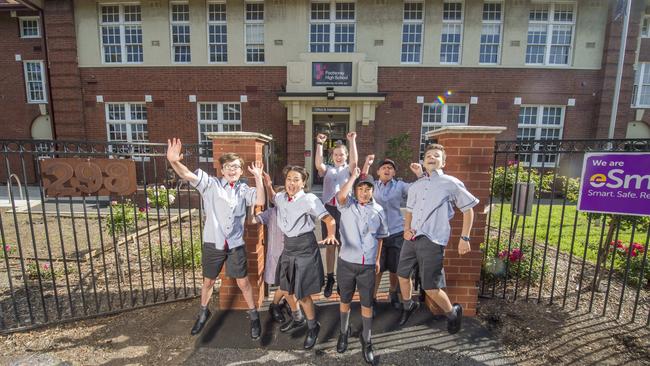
300,268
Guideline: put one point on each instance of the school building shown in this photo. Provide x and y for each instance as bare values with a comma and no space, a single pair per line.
148,70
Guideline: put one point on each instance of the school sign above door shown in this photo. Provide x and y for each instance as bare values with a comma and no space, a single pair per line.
616,183
331,73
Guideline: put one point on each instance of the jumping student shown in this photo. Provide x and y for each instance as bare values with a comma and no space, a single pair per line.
389,192
429,208
225,200
300,269
334,176
275,246
363,227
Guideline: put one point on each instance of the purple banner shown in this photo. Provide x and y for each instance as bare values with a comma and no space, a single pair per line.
617,183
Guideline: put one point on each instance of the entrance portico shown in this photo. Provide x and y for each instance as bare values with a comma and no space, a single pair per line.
331,94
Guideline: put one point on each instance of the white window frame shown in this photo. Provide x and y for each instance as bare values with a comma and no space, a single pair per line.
42,81
550,25
253,23
37,19
444,118
218,123
456,23
640,83
538,126
645,23
217,23
128,123
122,24
332,22
187,23
498,23
415,22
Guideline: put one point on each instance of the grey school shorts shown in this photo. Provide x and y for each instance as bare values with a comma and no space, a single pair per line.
390,250
212,261
352,276
428,256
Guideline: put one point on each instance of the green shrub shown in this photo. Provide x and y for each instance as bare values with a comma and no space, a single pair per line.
175,258
123,217
46,270
160,196
512,264
635,253
505,178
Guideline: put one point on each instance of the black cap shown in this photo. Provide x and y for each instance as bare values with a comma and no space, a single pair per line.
366,180
389,162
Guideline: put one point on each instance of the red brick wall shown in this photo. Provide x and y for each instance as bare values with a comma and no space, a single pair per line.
17,115
66,98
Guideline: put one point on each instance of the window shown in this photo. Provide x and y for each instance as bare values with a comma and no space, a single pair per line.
217,32
180,29
29,27
550,34
645,27
539,123
491,33
412,32
254,32
436,115
121,29
641,97
216,117
35,81
452,33
332,27
127,123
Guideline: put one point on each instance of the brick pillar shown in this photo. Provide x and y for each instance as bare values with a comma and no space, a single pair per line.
470,152
296,144
365,141
250,146
65,81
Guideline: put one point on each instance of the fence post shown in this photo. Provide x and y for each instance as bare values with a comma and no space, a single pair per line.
250,146
470,152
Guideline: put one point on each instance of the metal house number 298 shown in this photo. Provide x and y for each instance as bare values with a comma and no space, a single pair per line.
79,177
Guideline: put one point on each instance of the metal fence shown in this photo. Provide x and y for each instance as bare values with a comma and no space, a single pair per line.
539,247
66,258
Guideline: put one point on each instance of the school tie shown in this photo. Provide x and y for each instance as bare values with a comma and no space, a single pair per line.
225,245
289,198
232,184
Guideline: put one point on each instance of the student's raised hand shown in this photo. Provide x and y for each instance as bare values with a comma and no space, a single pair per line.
321,138
329,240
416,168
352,136
356,173
256,168
266,179
370,159
463,247
174,147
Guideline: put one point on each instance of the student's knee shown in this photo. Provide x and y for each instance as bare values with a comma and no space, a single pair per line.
243,283
209,282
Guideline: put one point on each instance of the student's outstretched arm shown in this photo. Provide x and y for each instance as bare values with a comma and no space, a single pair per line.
380,243
257,168
354,156
342,195
174,156
268,186
318,157
331,231
367,164
468,220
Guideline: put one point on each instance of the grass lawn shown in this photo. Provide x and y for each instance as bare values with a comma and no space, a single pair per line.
560,228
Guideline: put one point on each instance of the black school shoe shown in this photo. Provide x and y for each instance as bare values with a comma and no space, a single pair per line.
394,301
454,323
366,349
342,343
200,321
292,324
276,313
407,312
312,336
256,329
329,285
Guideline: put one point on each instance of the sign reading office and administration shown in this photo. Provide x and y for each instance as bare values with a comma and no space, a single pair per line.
616,183
331,73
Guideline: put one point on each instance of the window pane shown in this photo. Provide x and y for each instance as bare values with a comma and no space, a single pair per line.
319,37
180,13
217,12
320,11
452,11
492,11
344,41
413,11
110,14
344,11
255,11
450,43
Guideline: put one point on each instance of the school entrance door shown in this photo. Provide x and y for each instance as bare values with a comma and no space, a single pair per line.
335,126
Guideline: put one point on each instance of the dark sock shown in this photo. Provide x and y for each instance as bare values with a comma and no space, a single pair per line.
393,296
311,323
345,321
367,327
253,314
408,303
204,308
330,276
